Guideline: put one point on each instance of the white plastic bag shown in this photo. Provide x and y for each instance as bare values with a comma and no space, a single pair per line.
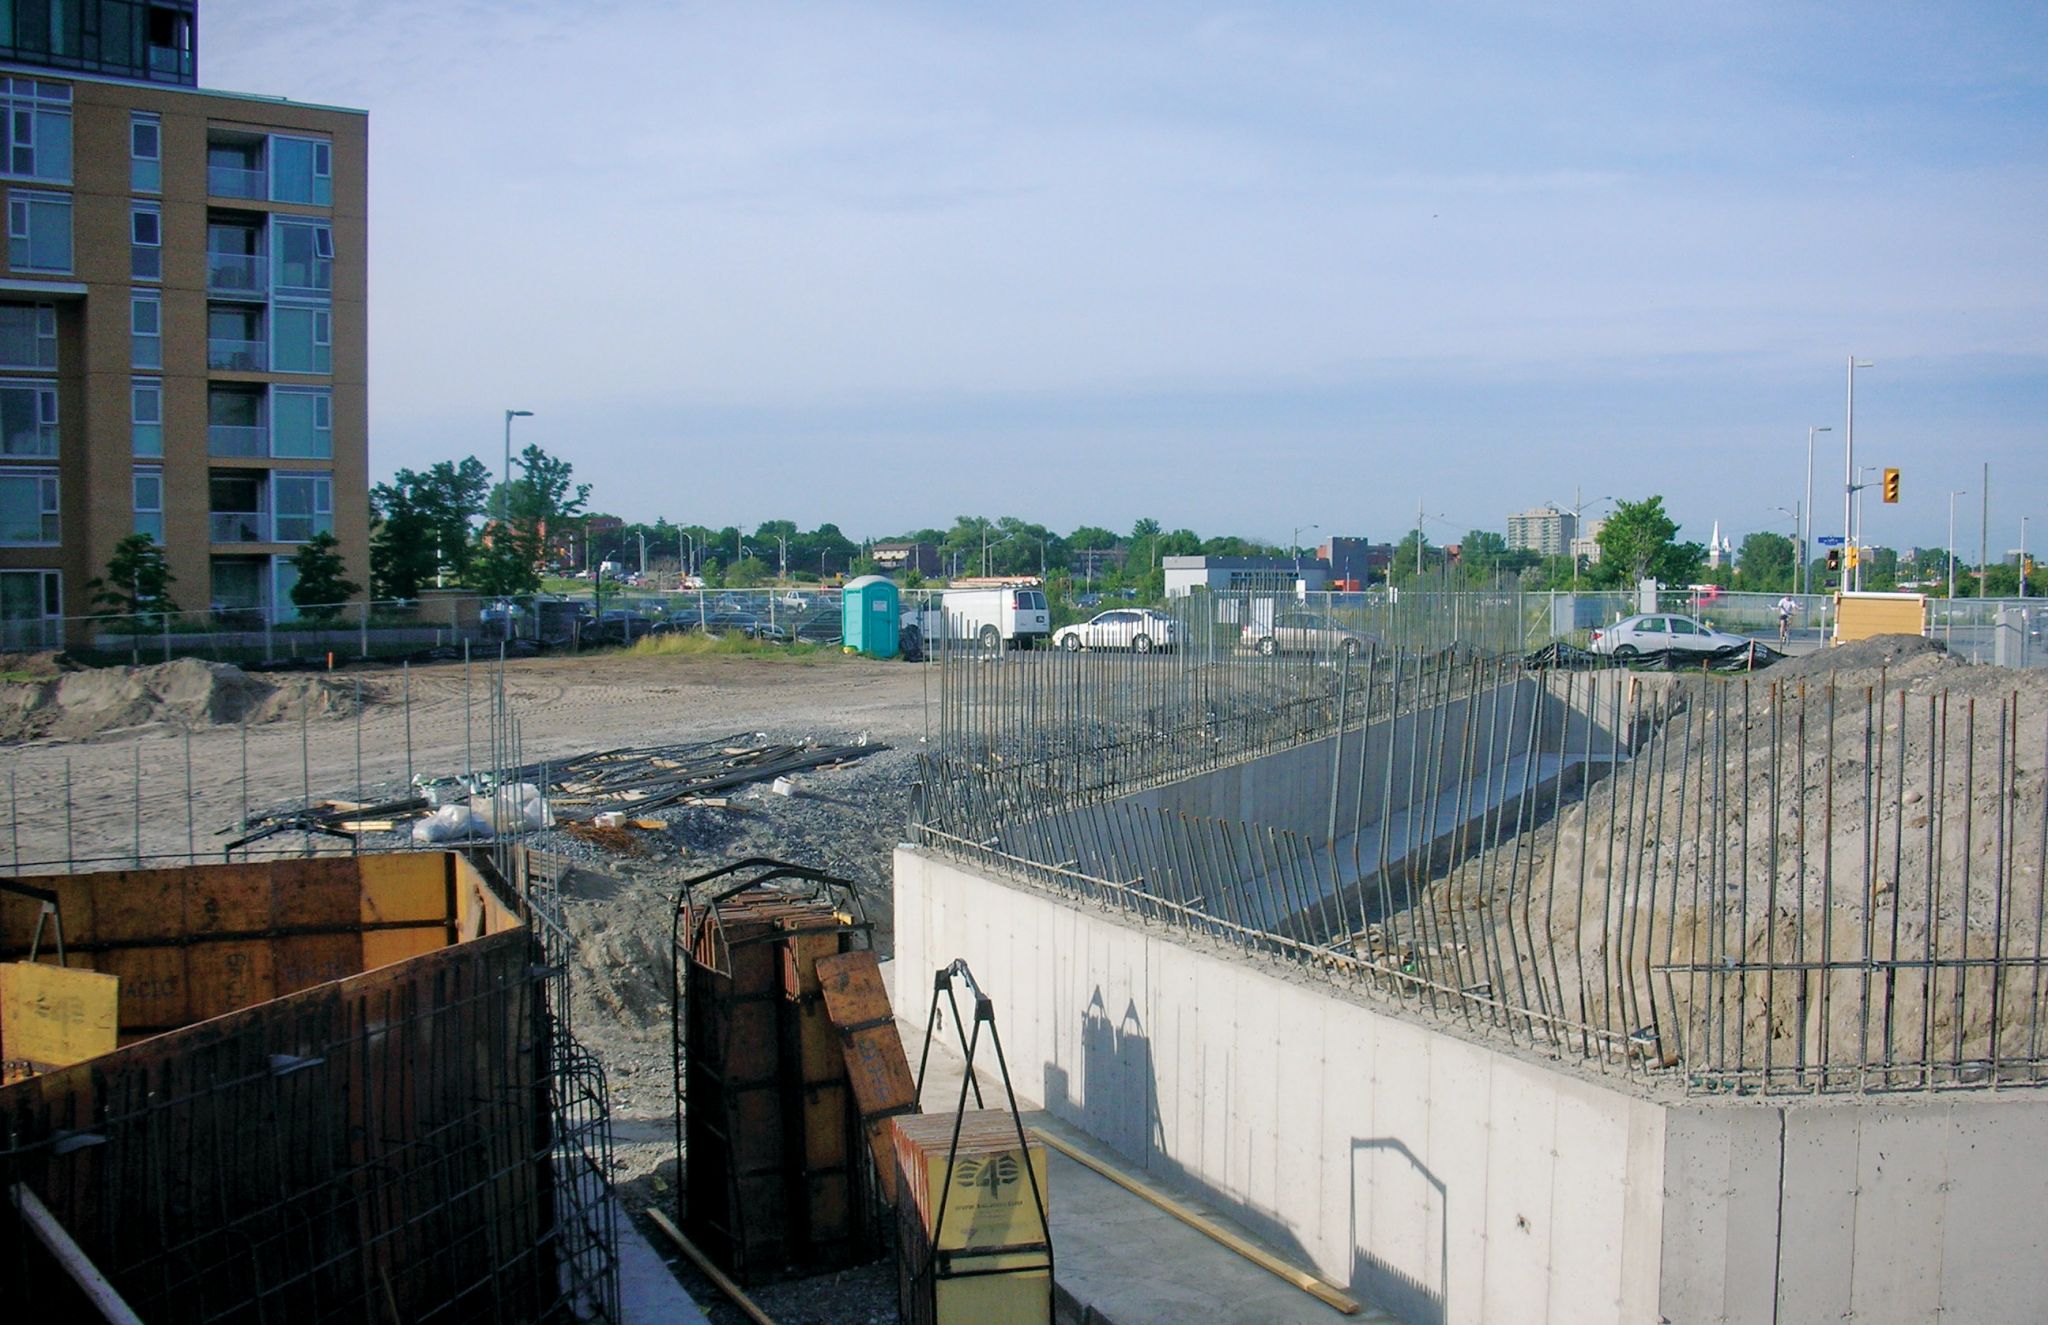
521,804
450,823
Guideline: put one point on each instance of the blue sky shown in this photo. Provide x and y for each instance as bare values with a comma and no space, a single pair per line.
1239,269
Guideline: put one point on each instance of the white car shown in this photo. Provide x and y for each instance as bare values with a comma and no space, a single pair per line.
1138,629
1658,632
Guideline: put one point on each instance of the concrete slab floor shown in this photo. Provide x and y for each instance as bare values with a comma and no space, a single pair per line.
1118,1259
648,1291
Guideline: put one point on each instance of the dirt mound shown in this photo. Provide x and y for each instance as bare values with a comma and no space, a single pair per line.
83,704
35,666
1860,662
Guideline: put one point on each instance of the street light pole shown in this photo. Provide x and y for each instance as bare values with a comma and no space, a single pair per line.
1849,472
505,491
1959,492
1805,530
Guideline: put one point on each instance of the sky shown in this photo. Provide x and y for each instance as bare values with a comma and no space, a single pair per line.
1243,269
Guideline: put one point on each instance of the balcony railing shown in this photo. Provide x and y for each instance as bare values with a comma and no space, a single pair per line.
236,356
235,182
240,526
237,273
229,439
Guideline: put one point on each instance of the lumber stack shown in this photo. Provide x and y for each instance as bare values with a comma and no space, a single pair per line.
972,1242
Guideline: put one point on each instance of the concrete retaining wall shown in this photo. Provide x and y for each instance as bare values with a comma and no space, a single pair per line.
1452,1181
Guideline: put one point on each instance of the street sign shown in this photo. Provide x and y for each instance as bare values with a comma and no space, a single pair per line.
1830,540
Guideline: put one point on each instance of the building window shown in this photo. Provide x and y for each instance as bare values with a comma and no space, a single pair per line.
146,411
301,170
146,340
145,154
305,339
149,502
301,424
146,238
305,256
39,231
28,508
28,336
37,129
31,604
28,419
304,506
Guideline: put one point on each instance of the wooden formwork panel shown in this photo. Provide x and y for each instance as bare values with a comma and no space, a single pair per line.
871,1048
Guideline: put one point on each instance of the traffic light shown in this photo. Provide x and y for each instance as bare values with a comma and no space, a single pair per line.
1891,486
1854,556
1834,560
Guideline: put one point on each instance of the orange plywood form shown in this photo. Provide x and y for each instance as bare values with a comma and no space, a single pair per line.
876,1067
51,1016
404,887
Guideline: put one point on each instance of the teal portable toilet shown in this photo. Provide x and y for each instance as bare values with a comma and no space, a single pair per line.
869,610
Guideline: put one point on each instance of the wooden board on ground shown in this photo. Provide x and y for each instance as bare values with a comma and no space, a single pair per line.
876,1067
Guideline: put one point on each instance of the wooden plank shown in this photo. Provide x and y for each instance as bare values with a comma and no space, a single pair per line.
54,1016
405,886
876,1067
226,977
381,947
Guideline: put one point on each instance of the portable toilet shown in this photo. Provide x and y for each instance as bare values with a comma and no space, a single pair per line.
869,608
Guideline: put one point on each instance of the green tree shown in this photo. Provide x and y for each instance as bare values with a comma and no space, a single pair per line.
1402,568
747,573
1765,562
1636,544
542,508
138,579
323,584
505,563
429,514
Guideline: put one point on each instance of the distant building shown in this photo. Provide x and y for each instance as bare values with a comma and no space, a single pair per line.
1350,561
1544,530
1275,574
899,558
1586,547
599,532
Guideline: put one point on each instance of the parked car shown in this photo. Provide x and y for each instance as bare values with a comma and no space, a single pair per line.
1139,629
624,627
1655,632
821,625
725,621
1294,630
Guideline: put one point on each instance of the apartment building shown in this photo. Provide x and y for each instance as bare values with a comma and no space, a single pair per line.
1544,530
181,319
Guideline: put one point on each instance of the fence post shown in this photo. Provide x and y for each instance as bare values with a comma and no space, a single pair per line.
165,618
363,630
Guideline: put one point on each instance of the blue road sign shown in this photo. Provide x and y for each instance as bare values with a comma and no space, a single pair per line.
1829,540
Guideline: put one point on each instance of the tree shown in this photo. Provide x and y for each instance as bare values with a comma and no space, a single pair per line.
542,507
428,517
1407,556
323,585
138,579
1765,563
747,573
1636,544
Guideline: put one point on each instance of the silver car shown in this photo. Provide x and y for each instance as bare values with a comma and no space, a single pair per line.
1138,629
1658,632
1298,631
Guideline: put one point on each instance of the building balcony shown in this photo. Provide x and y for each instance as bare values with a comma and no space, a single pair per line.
237,356
235,182
237,440
238,274
240,526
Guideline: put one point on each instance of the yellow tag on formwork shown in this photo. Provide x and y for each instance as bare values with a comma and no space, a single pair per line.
52,1016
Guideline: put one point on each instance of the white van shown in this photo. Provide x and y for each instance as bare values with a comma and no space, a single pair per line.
1006,616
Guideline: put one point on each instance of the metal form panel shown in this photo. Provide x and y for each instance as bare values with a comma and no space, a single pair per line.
877,1069
770,1132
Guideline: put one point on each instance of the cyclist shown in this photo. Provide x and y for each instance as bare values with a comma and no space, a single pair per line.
1786,607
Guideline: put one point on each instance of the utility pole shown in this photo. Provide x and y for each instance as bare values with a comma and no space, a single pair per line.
1984,529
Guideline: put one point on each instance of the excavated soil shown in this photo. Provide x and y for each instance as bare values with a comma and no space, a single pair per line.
1880,800
83,704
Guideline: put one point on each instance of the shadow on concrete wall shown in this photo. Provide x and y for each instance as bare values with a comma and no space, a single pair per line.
1118,1102
1386,1165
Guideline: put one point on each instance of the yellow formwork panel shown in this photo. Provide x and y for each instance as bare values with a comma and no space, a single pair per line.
53,1017
1867,615
381,947
405,887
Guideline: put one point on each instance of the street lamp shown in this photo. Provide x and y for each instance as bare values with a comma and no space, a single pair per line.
1959,492
1805,530
1849,469
986,545
689,554
505,493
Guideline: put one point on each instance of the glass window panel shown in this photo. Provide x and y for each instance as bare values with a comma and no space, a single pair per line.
28,336
39,232
147,428
302,339
28,419
28,508
299,425
146,340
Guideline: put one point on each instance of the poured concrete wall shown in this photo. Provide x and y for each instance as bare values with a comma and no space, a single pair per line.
1451,1180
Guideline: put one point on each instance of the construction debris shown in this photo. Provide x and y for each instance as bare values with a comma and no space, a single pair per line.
606,790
